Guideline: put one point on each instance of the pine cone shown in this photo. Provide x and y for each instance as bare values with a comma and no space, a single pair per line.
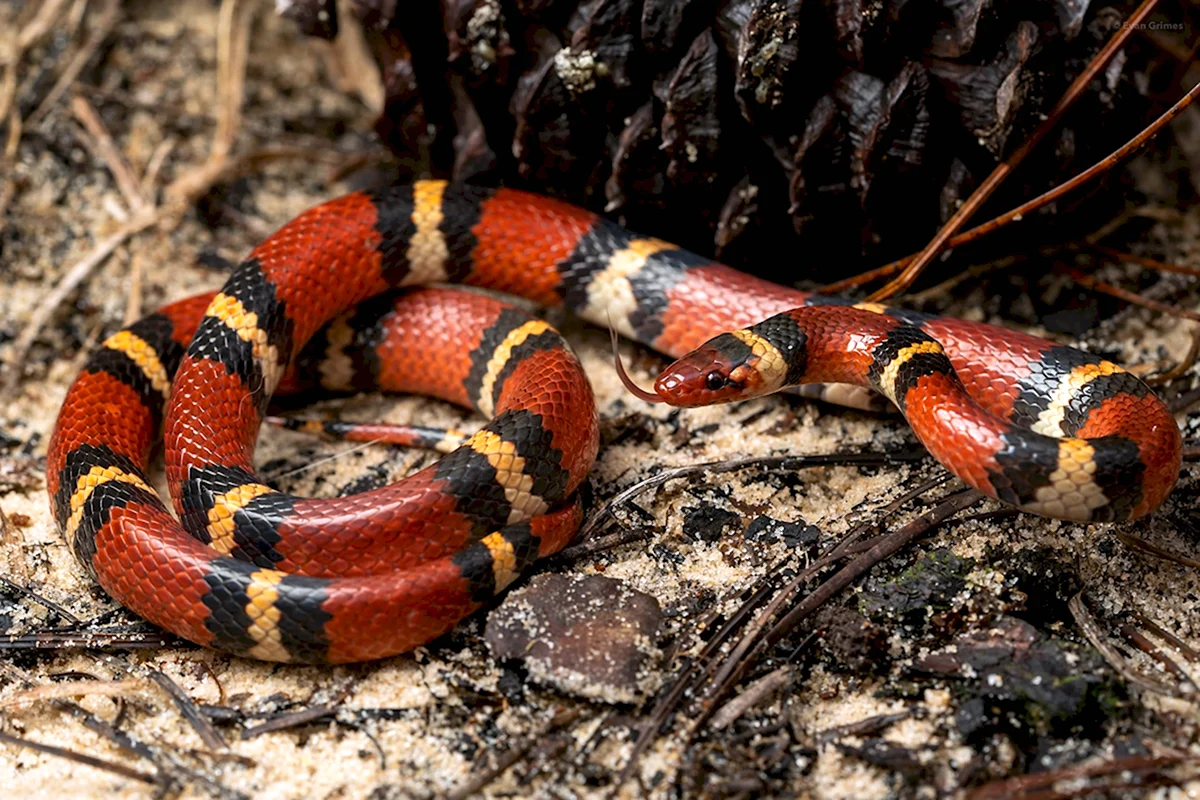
836,134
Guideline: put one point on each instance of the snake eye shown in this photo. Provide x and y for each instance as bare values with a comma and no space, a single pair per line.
714,381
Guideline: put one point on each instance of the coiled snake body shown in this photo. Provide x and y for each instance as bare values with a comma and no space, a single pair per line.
260,573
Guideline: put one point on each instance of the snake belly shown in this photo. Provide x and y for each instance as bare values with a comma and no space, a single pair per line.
256,572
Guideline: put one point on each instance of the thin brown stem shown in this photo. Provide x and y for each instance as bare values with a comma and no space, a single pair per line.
1089,282
80,758
1092,631
1024,786
1135,543
560,720
1144,644
886,546
1168,637
1149,263
993,181
1044,199
734,465
69,282
854,281
106,150
1183,367
106,19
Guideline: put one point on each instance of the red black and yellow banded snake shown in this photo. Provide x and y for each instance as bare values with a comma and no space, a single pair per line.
257,572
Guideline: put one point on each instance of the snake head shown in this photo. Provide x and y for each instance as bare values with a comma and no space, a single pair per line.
722,370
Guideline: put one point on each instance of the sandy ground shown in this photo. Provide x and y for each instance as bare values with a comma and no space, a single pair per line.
425,723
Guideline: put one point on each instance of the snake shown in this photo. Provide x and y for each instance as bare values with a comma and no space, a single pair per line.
244,568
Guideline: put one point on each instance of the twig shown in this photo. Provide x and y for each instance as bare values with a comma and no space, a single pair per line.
8,91
81,758
8,189
864,727
757,692
67,284
155,165
76,15
886,546
133,298
168,765
1092,632
93,688
91,640
291,719
1023,210
599,544
107,17
1187,685
304,716
1167,637
187,707
1100,167
233,37
120,738
1154,550
1149,263
181,192
695,670
29,594
1180,403
1089,282
39,26
362,728
844,549
653,722
974,271
889,544
1183,367
192,184
106,149
1024,785
854,281
511,757
42,23
733,465
1006,167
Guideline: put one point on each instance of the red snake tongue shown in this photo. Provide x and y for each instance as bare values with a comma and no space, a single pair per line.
634,389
